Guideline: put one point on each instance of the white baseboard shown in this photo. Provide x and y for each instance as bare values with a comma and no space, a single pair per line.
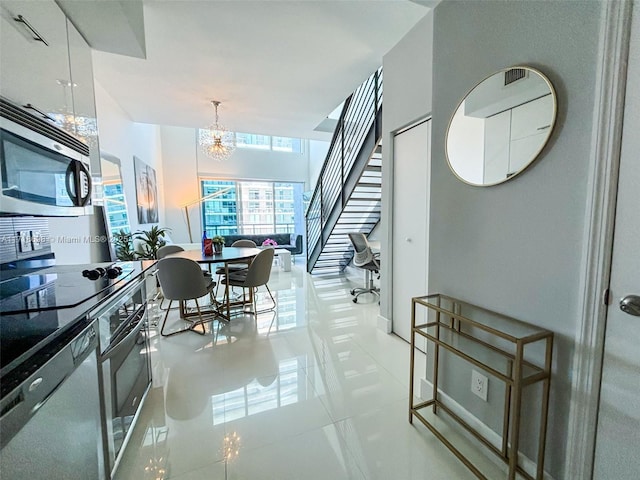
384,324
528,465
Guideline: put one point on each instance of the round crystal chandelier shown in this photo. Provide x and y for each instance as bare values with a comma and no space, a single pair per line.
217,142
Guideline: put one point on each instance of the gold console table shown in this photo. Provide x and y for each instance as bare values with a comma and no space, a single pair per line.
495,344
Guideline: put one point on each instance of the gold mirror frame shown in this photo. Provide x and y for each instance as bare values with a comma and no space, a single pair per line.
537,99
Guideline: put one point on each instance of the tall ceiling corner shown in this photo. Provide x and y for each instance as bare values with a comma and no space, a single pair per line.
427,3
114,26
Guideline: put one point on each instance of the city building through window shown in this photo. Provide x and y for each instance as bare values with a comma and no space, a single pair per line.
252,207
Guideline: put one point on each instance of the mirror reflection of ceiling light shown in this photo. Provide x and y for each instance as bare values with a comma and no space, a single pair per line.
217,142
83,128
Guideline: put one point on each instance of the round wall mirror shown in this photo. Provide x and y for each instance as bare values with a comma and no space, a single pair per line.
501,126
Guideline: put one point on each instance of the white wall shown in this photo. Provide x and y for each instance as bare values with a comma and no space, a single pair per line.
517,248
72,253
184,163
465,146
123,138
317,154
407,98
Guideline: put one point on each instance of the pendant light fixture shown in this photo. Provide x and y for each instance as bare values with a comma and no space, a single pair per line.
217,142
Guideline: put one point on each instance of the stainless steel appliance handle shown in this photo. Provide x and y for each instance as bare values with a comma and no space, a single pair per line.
115,349
41,403
36,109
83,199
35,391
76,171
34,32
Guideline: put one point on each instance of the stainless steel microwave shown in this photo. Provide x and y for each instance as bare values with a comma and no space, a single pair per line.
43,170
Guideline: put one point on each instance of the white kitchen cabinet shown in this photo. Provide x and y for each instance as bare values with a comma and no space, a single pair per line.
514,137
530,124
496,147
33,70
523,150
53,74
532,118
82,95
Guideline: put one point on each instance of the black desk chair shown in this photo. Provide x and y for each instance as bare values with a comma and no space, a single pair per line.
366,259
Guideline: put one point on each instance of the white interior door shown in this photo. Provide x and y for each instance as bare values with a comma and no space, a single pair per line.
411,167
618,434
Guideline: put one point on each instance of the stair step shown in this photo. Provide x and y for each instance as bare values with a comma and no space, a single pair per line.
332,264
357,222
368,185
373,168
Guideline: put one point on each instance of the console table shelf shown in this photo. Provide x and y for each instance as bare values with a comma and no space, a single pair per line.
495,344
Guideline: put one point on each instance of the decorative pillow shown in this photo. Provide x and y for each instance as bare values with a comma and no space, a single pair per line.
269,242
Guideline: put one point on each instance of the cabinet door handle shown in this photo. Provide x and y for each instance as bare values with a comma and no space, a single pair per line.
544,128
36,109
34,32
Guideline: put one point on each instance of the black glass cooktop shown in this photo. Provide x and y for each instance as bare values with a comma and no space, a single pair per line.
37,307
54,288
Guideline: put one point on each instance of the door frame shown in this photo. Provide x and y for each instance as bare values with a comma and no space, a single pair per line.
604,167
388,321
394,134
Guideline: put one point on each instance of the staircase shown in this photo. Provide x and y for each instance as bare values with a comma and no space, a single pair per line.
347,197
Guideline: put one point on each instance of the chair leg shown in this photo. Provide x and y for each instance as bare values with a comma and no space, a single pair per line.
190,328
199,322
370,288
273,300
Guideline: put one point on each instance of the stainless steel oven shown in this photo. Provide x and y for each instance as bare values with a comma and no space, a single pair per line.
124,367
43,169
50,419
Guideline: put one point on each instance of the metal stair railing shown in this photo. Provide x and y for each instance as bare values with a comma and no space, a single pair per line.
360,111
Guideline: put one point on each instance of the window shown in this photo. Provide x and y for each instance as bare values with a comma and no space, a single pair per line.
236,207
116,207
265,142
286,144
250,140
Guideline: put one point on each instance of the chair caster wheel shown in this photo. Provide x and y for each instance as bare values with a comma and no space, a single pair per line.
355,300
352,292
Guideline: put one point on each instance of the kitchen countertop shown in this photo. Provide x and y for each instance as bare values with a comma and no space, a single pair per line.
30,320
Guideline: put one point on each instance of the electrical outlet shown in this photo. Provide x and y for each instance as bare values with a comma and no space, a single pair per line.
479,384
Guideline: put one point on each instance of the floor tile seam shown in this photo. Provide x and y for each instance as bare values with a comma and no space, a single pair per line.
288,438
323,398
325,389
275,442
385,370
385,404
359,462
285,438
381,364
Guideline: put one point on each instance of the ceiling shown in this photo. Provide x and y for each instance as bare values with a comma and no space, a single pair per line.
278,67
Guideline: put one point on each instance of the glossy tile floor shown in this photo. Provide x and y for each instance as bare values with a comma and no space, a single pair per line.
312,391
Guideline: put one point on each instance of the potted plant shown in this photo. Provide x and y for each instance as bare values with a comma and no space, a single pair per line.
218,243
151,241
123,246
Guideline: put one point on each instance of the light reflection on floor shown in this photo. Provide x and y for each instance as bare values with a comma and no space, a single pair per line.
311,391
